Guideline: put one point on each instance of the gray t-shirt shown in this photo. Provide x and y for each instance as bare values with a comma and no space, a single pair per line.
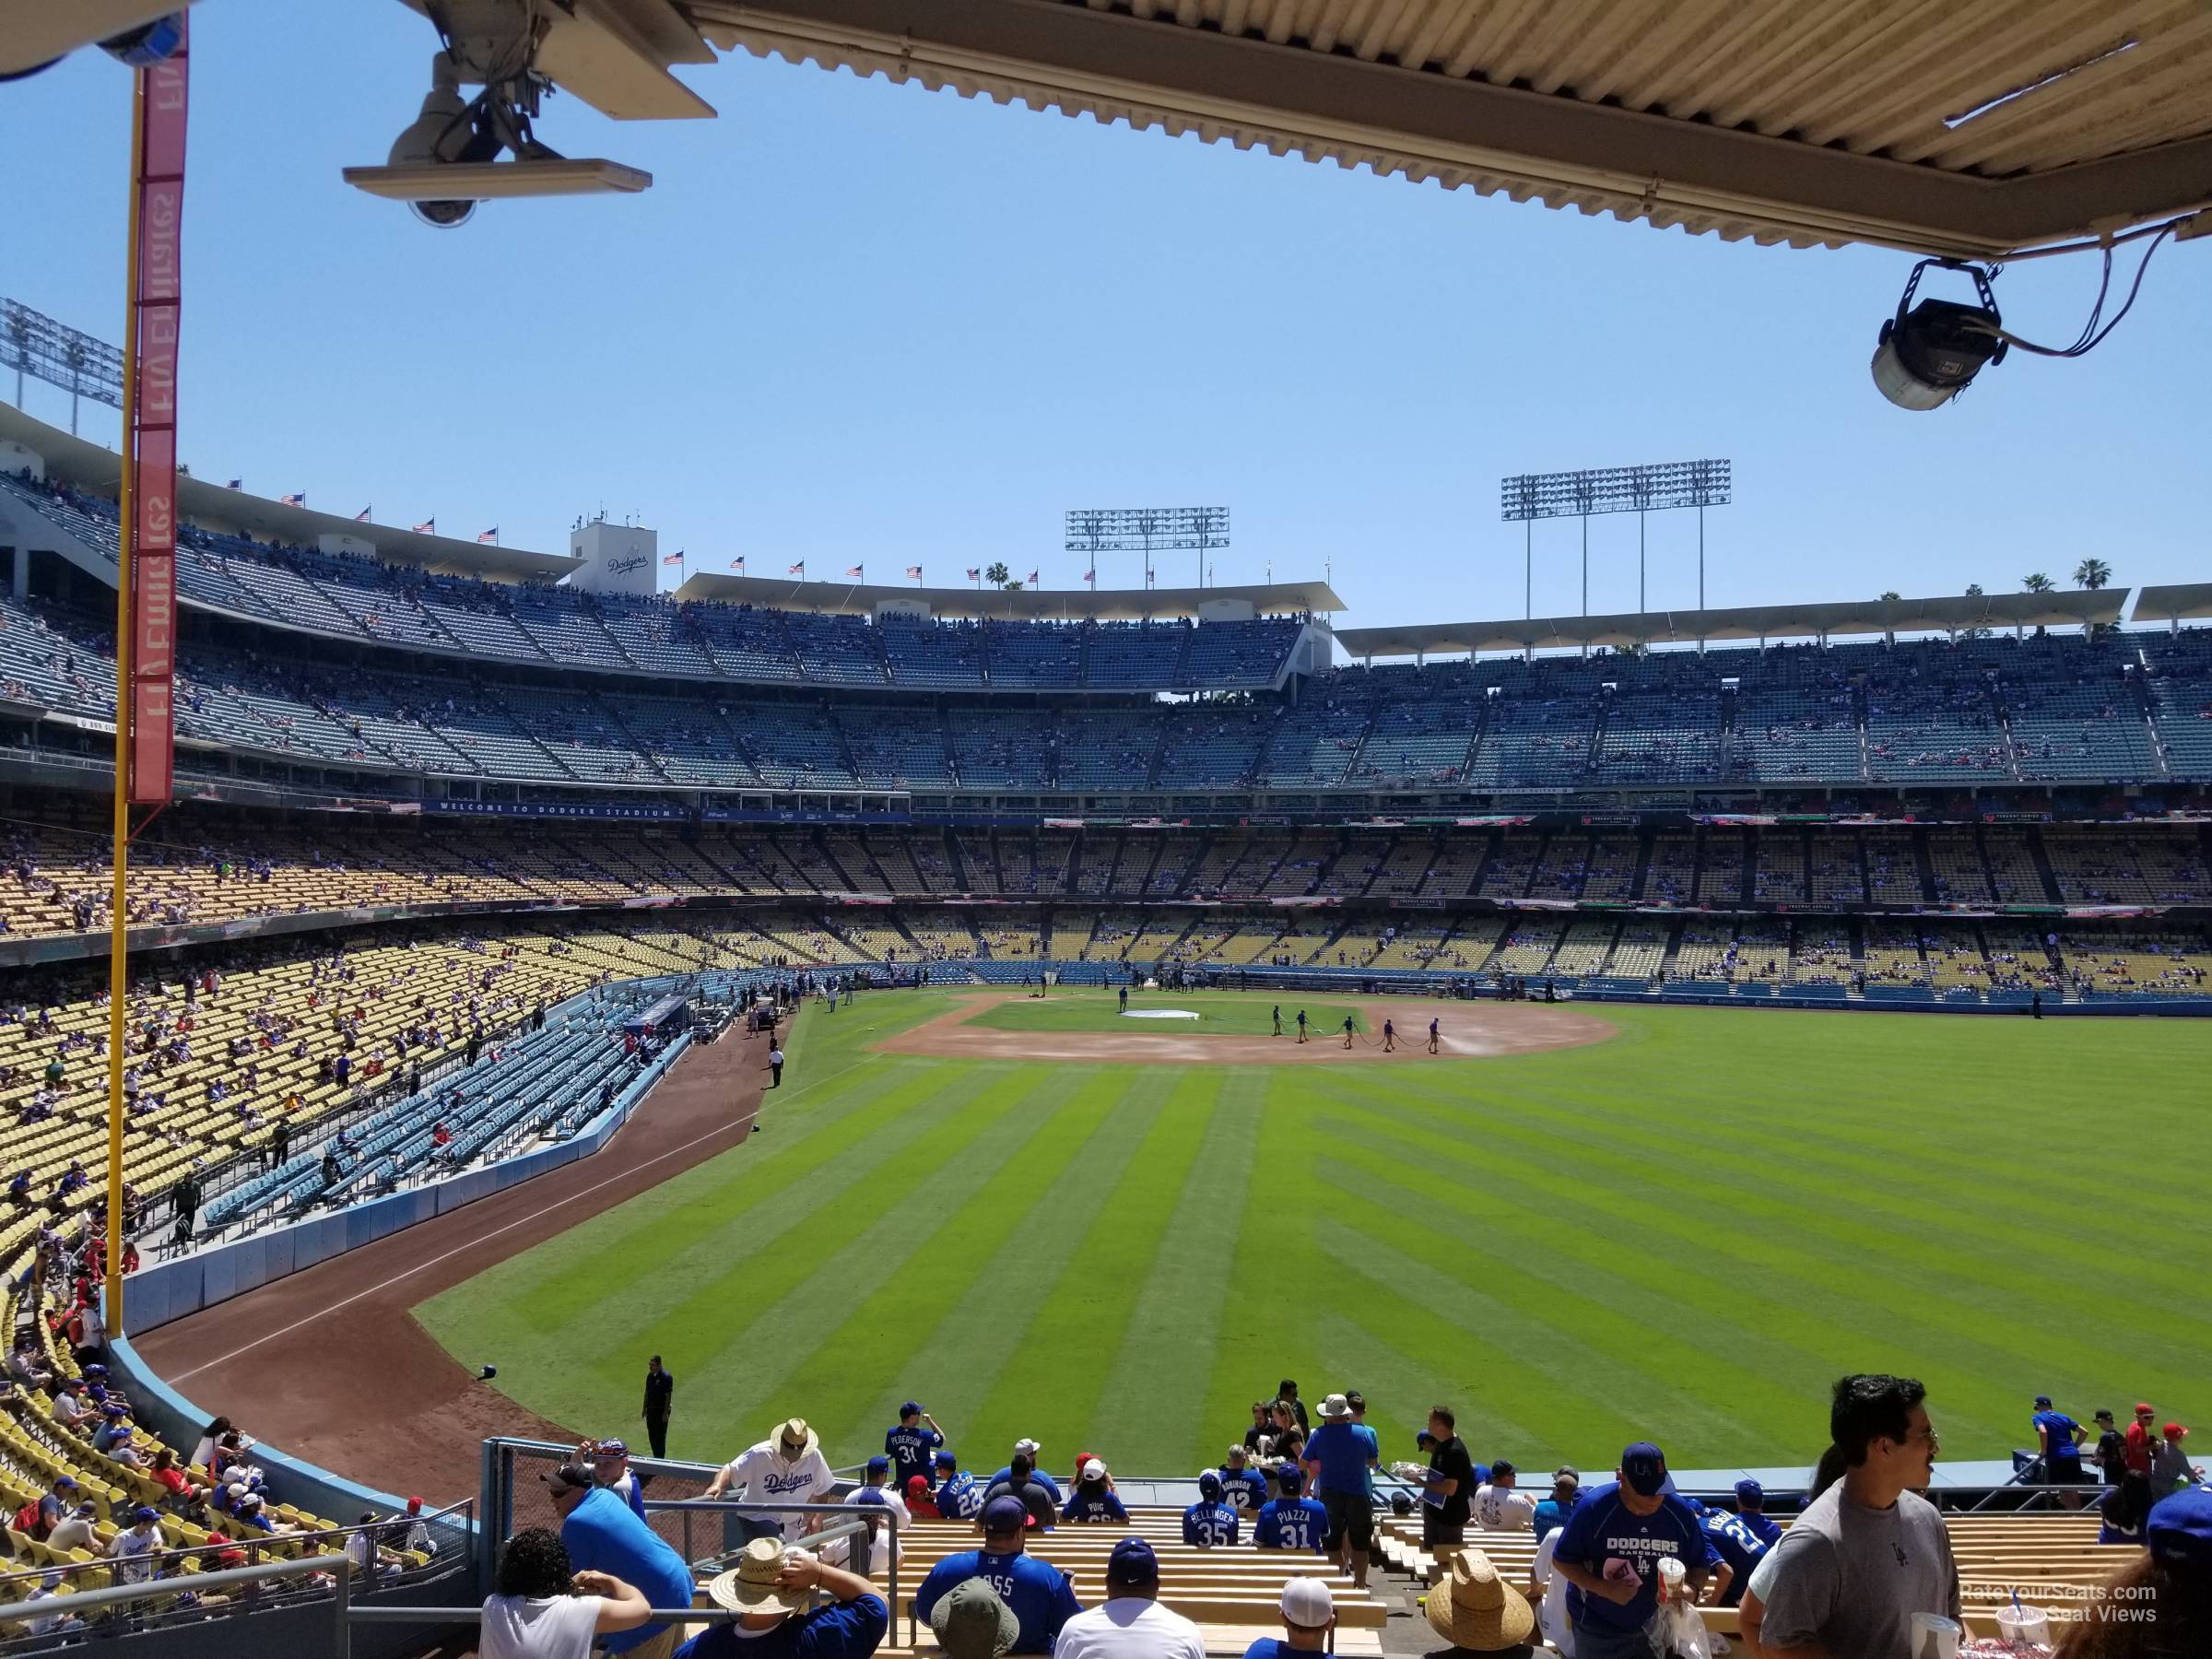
1850,1578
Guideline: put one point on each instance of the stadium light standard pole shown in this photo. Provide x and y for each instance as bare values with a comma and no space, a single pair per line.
126,544
1655,488
1528,570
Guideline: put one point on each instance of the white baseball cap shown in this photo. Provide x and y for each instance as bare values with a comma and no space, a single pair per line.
1307,1602
1094,1470
1025,1447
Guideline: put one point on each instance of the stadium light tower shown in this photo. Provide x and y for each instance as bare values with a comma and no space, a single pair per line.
1651,487
34,344
1096,530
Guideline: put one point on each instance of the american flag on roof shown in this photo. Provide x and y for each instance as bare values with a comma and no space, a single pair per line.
361,517
914,572
293,501
491,535
859,572
1032,579
737,563
676,558
428,527
1092,577
799,569
238,484
976,572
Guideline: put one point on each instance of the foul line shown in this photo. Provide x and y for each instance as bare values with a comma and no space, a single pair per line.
458,1249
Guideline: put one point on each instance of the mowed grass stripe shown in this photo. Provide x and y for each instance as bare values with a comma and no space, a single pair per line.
1820,1212
987,1329
636,1268
1090,1304
949,1371
1172,1328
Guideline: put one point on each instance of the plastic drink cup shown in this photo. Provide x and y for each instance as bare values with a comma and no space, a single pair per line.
1935,1637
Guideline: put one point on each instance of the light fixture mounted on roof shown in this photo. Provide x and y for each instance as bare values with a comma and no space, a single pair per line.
1929,353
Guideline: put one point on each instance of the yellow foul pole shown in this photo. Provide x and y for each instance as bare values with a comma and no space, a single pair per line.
117,913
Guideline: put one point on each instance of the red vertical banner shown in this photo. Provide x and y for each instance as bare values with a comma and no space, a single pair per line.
157,286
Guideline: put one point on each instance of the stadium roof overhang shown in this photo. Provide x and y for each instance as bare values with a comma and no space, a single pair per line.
1113,605
1964,127
2178,602
1947,615
96,470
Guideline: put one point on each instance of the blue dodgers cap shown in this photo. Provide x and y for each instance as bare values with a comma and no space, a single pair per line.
946,1460
1291,1478
1005,1513
2179,1531
2043,1402
1132,1562
909,1409
879,1464
145,1513
1210,1485
1643,1466
1750,1491
871,1495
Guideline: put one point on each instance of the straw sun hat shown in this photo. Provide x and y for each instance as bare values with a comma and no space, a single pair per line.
1475,1609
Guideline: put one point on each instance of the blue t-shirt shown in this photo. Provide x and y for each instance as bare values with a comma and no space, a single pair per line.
1759,1527
1602,1528
1550,1515
1244,1488
2060,1428
1038,1476
1209,1525
1100,1505
1292,1524
1342,1450
602,1535
911,1452
2107,1532
1039,1593
850,1629
1738,1546
1270,1647
960,1499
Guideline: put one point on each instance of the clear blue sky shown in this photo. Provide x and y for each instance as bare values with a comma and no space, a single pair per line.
858,322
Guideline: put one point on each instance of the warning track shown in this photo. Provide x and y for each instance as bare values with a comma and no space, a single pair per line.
330,1365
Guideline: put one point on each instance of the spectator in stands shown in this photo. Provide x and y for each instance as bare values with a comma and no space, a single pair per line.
1245,1487
1289,1443
1448,1485
46,1513
132,1547
959,1498
2170,1464
2058,1441
1286,1391
1028,1448
1022,1483
1739,1547
1869,1552
544,1609
1309,1616
1130,1623
973,1623
2111,1449
786,1468
72,1407
1336,1461
74,1531
610,1466
1210,1524
2123,1509
1498,1507
660,1389
1292,1520
602,1535
1040,1595
920,1504
1609,1551
1093,1500
772,1591
1476,1611
53,1624
1552,1513
912,1443
2160,1604
2142,1437
875,1493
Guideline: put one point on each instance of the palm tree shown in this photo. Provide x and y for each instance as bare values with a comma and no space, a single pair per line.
995,574
2038,583
1891,597
2092,573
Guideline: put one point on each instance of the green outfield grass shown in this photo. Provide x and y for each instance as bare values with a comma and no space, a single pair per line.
1688,1232
1221,1014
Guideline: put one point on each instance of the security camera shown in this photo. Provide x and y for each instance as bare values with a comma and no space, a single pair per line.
448,159
441,134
